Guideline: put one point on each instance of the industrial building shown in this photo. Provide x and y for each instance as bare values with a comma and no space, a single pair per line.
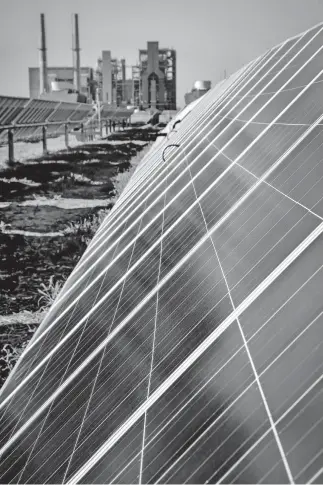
110,78
157,72
61,83
58,79
152,83
198,90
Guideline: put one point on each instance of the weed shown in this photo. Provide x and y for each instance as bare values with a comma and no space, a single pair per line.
49,293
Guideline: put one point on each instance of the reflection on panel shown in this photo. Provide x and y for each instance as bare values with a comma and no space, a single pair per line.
186,346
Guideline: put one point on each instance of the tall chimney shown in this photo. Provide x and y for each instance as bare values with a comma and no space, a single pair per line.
123,69
43,57
76,53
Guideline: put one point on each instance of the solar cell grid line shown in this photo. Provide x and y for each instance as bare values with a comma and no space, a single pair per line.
39,351
292,178
73,316
6,109
32,113
45,338
30,477
121,198
8,112
197,114
208,375
46,418
94,384
287,196
193,123
278,441
303,273
252,297
309,272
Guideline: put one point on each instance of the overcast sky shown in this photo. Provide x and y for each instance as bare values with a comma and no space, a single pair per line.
209,35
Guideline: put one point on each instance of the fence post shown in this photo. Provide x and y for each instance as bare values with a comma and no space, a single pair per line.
45,151
66,135
11,146
82,132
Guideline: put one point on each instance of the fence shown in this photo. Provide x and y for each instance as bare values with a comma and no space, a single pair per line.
23,119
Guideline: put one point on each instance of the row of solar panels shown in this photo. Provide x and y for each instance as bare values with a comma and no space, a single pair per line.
24,111
186,346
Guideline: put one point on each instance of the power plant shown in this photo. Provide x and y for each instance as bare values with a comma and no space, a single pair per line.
198,90
60,83
151,83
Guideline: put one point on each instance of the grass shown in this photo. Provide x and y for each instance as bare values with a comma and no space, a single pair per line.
49,293
17,329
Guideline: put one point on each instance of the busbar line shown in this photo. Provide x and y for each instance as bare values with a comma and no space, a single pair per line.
81,264
208,119
203,109
107,221
251,362
194,356
186,135
34,341
315,233
177,155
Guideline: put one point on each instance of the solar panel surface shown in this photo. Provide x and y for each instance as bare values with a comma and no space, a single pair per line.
186,346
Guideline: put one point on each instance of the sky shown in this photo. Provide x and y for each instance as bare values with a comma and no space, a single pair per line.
210,36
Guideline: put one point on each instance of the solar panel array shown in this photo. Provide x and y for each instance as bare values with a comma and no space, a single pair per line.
186,346
22,111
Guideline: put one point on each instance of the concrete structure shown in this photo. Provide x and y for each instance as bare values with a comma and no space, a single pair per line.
152,83
59,74
49,80
199,89
157,77
76,52
106,70
43,81
110,78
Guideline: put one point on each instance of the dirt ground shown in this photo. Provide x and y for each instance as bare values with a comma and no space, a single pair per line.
80,180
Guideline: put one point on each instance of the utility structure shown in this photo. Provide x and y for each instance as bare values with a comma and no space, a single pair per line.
111,77
43,75
73,83
152,83
157,77
76,52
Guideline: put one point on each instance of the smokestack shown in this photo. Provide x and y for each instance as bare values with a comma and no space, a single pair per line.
123,68
43,57
76,53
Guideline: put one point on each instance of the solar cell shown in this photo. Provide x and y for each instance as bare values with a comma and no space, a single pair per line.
186,344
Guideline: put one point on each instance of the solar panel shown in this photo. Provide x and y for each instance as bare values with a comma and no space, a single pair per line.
186,346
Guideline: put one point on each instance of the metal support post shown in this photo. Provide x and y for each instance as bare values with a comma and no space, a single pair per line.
106,128
11,146
82,132
44,129
66,135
